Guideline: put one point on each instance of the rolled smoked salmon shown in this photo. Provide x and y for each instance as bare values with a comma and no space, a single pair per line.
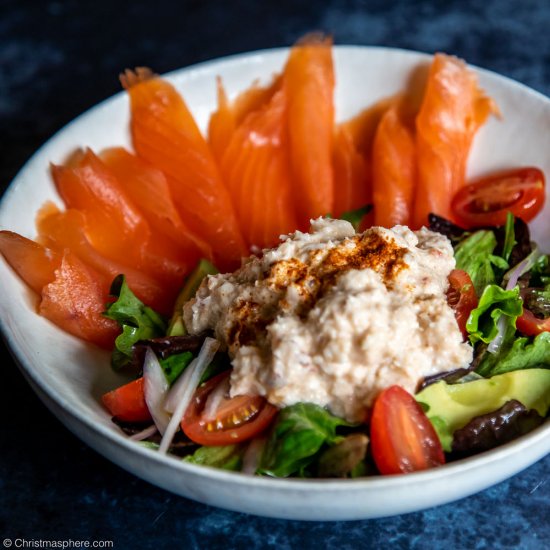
256,169
452,111
165,134
309,79
229,115
393,170
352,188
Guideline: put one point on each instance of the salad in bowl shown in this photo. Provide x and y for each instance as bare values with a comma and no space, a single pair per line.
353,305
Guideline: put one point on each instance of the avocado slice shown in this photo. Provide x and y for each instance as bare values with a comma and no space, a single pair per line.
451,406
190,286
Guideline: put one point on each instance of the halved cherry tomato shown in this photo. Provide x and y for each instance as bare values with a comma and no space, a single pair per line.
461,296
236,419
403,439
488,200
530,325
127,403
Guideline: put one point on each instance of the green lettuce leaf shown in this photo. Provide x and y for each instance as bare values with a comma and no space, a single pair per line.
355,216
494,302
219,364
344,459
299,434
174,365
517,354
475,256
226,457
138,322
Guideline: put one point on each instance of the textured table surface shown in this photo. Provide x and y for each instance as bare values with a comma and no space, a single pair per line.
57,59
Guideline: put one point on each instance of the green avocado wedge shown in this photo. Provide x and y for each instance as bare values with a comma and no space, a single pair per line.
192,283
451,406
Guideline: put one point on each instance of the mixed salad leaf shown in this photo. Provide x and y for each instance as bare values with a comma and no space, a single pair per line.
516,354
298,435
226,457
489,430
355,217
474,254
138,322
496,305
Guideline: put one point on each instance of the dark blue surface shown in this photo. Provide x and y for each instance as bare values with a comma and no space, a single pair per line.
58,59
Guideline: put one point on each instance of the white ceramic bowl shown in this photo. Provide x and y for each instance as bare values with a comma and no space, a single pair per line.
70,376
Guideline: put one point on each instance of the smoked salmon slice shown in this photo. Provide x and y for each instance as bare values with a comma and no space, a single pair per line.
229,115
115,226
351,174
34,263
452,111
256,169
73,294
362,127
165,135
148,188
309,80
60,230
75,301
86,184
222,124
393,170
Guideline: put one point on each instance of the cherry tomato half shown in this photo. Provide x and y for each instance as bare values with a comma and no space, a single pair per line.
461,296
531,325
127,403
402,437
236,419
487,201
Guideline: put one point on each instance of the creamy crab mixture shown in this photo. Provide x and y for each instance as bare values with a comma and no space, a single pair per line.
333,317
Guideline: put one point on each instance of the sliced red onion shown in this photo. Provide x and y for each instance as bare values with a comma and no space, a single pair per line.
206,354
144,434
496,342
518,270
253,455
182,391
155,389
215,398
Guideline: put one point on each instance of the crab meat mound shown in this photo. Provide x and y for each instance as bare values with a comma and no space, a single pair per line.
332,317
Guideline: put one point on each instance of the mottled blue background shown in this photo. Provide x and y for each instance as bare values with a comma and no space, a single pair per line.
58,59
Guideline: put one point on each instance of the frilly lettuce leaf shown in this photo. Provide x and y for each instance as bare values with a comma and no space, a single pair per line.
517,354
494,302
475,256
138,322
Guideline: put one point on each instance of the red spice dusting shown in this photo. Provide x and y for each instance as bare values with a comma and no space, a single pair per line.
313,279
